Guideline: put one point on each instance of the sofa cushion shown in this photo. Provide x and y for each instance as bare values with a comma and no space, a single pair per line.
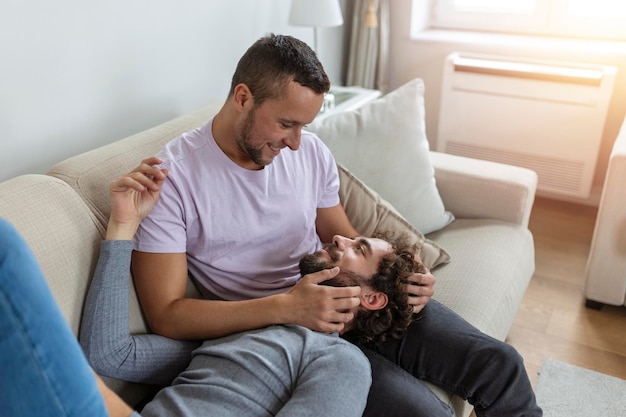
493,262
368,213
384,144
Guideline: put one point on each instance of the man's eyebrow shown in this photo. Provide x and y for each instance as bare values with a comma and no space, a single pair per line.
366,243
290,121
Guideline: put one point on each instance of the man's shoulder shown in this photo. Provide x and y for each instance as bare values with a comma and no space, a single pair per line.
185,145
310,142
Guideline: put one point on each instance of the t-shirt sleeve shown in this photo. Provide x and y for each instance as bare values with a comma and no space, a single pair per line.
164,229
329,178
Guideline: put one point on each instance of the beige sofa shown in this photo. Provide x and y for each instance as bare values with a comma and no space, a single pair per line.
63,214
606,265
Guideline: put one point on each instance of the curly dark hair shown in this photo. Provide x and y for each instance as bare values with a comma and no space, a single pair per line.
373,326
273,61
391,278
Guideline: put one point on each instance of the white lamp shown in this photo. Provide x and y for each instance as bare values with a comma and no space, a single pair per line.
315,13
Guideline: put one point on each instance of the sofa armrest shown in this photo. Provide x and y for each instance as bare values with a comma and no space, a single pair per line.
605,278
473,188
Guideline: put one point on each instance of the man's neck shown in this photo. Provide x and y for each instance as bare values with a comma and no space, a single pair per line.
224,134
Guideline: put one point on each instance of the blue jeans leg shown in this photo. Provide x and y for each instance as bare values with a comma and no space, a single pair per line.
444,349
43,371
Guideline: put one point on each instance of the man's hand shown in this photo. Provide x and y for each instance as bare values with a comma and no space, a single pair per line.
420,289
132,197
318,307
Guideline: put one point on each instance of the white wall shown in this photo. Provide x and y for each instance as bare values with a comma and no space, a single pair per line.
424,58
78,74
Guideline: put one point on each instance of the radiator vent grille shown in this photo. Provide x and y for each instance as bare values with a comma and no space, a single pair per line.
544,115
565,176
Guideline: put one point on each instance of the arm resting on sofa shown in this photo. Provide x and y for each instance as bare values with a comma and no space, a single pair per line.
473,188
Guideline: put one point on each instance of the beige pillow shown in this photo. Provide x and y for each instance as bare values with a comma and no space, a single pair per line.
368,212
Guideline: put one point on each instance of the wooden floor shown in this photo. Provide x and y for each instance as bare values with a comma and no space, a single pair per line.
553,321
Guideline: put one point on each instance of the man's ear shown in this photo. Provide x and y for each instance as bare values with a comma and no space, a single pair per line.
374,300
242,96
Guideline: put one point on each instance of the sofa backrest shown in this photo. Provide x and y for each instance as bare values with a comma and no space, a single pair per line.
91,172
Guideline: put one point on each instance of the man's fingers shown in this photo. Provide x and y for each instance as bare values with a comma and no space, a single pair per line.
135,181
145,176
425,278
321,276
335,322
126,182
419,307
148,168
326,327
341,317
149,179
419,290
348,302
153,160
336,292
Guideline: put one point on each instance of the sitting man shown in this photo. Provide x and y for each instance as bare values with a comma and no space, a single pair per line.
280,369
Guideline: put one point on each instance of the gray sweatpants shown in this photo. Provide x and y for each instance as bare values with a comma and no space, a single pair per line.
276,371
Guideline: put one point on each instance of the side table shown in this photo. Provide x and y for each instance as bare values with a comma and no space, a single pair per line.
341,98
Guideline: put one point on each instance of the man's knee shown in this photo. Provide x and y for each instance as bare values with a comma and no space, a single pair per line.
506,361
505,358
347,358
345,375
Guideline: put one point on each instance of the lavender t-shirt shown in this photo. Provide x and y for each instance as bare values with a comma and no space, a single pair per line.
244,231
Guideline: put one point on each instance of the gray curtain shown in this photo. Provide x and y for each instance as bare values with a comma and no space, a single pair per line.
368,62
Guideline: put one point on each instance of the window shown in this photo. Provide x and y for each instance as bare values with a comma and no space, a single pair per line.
577,18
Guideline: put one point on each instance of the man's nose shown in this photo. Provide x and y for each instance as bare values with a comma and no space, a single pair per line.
292,141
340,241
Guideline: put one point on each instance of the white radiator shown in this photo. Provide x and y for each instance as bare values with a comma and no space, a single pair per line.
545,116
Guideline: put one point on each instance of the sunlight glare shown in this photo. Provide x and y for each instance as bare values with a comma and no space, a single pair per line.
604,9
495,6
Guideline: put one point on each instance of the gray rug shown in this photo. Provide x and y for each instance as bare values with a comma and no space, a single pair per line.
565,390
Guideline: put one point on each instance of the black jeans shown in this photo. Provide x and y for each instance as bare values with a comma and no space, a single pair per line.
445,350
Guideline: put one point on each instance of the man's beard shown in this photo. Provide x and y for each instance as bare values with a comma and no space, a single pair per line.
244,140
313,263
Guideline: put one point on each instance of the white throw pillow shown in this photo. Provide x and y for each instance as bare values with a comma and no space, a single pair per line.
384,144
